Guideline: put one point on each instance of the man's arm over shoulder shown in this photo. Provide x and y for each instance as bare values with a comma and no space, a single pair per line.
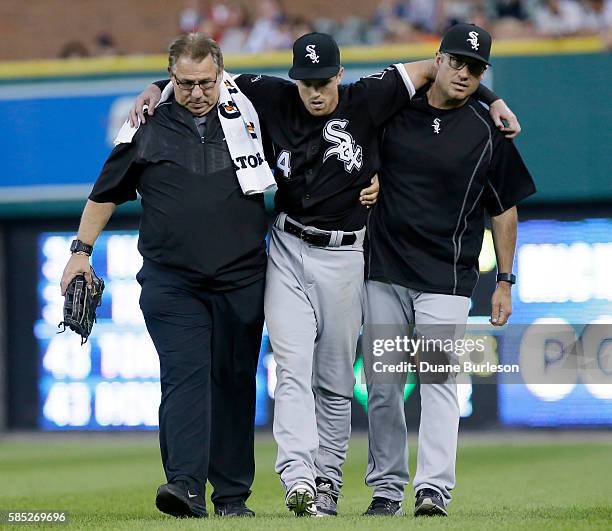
424,72
264,92
148,98
421,72
503,117
384,93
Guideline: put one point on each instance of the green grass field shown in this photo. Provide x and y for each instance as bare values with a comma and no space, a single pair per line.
110,483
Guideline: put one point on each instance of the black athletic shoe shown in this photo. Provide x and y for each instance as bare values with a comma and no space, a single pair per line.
384,507
177,499
235,508
327,503
429,502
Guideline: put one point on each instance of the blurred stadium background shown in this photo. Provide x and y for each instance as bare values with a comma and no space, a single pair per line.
68,73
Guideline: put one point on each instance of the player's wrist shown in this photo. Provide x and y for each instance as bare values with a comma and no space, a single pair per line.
80,247
504,286
506,279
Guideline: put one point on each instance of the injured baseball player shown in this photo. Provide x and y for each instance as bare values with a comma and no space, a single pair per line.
325,146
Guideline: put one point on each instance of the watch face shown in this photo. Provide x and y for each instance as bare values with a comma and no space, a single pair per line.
78,245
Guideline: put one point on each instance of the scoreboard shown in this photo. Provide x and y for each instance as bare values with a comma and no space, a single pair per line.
564,288
112,381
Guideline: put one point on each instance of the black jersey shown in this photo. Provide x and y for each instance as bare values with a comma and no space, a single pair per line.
322,163
195,217
441,170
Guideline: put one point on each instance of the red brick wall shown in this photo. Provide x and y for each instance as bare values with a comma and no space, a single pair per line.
40,28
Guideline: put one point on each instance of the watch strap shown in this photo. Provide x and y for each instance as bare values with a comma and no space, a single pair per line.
77,246
506,277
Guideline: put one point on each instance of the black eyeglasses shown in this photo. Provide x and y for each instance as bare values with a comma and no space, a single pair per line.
189,85
476,68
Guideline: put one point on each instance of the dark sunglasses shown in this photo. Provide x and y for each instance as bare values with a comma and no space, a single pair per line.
476,68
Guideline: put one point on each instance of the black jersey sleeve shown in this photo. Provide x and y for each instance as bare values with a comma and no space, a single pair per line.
161,84
118,179
385,92
264,92
486,95
508,179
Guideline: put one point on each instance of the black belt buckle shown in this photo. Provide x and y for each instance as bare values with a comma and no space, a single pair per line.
314,238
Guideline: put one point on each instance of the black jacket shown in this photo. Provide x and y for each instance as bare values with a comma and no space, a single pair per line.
195,217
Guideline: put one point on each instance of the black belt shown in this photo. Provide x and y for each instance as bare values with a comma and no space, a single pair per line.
317,238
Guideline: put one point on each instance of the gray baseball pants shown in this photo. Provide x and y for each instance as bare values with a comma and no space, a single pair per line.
391,309
313,308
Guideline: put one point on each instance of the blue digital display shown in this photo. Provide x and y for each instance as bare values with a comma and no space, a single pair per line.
564,283
112,381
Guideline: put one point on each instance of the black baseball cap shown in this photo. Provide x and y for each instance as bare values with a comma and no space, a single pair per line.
468,40
315,56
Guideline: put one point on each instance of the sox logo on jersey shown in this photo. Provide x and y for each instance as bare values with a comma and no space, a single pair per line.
436,126
344,149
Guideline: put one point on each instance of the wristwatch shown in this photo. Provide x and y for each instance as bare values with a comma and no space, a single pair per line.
506,277
77,246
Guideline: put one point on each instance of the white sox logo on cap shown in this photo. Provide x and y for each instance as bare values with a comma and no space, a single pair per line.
473,39
436,126
311,53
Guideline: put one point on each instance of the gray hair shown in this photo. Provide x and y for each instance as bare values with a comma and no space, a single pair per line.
196,46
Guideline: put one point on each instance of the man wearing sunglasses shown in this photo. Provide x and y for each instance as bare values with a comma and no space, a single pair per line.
444,166
324,136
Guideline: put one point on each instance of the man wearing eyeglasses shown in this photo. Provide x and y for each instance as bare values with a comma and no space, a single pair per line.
444,166
203,243
324,137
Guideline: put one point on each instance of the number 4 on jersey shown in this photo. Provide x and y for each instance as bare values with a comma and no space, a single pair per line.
283,163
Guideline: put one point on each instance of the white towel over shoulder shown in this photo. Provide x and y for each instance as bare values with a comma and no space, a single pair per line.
127,132
240,124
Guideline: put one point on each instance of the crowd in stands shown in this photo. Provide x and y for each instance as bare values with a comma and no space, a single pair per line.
103,46
265,24
255,26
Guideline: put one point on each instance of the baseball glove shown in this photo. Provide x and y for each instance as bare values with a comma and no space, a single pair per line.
80,305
